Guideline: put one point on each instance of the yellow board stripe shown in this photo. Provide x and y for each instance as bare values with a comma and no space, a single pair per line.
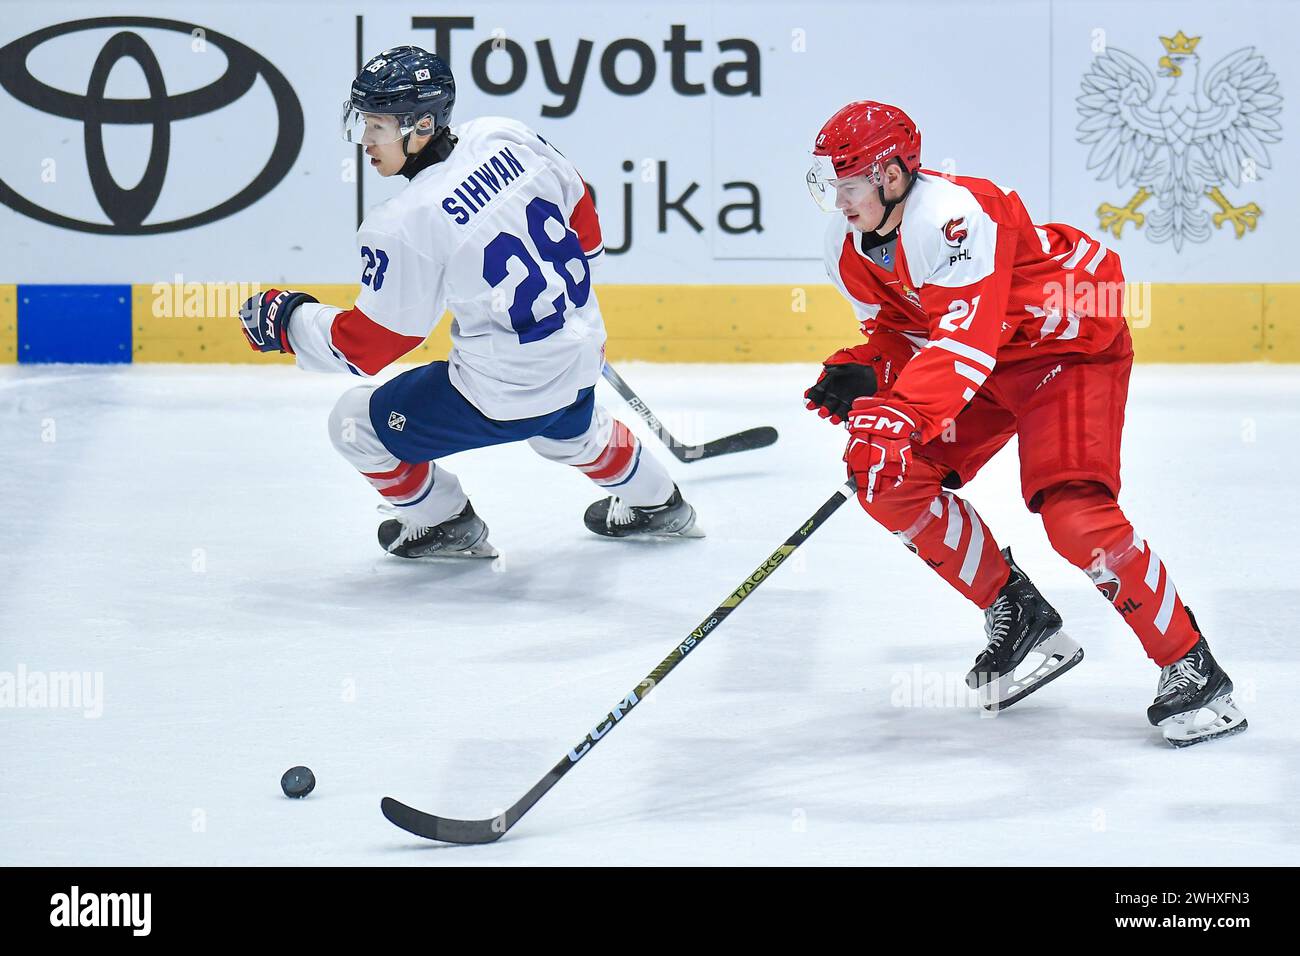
199,323
8,324
737,323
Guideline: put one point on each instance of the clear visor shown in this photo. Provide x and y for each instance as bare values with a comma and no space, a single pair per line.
377,129
831,193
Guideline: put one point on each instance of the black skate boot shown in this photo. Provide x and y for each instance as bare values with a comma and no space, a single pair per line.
1189,687
1018,622
461,536
615,518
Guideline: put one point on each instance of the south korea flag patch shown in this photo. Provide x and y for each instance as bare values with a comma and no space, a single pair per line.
396,421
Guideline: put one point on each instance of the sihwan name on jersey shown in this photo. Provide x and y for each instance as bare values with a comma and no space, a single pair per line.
473,190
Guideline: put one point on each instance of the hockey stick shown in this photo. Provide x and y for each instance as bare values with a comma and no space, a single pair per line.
433,827
741,441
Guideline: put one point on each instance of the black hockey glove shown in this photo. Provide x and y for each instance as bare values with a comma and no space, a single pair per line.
842,382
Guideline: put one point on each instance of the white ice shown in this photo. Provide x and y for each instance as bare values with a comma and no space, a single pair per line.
189,536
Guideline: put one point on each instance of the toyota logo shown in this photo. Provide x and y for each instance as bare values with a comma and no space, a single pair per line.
127,209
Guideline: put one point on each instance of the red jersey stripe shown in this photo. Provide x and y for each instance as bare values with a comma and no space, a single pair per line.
366,344
585,222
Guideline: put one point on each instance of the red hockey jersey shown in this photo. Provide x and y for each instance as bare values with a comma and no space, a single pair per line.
974,282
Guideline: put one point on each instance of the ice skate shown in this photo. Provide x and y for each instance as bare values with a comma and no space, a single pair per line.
461,536
1018,623
1194,698
615,518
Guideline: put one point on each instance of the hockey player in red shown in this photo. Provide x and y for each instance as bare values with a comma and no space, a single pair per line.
981,325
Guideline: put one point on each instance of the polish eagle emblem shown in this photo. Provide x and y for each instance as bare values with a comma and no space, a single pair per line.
1178,138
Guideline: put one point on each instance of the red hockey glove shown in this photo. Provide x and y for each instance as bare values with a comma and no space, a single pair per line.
881,433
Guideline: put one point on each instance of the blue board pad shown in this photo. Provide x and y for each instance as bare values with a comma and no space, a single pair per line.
74,323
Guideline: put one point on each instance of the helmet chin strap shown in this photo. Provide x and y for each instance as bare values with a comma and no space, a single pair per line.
889,204
434,151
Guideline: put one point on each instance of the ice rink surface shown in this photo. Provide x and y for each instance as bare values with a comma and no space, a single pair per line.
188,536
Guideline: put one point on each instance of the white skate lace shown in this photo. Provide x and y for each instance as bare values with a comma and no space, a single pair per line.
1178,675
410,529
409,533
619,513
997,622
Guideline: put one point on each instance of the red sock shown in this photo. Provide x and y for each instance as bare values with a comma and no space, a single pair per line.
1088,529
406,484
944,531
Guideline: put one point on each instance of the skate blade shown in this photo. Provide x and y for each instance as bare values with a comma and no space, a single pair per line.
480,549
692,530
1061,652
1194,727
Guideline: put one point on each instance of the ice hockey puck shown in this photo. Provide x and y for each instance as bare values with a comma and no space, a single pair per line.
297,782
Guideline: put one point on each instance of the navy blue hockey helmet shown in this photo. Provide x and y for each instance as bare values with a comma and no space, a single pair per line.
400,91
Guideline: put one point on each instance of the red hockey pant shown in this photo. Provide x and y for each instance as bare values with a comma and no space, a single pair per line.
1068,413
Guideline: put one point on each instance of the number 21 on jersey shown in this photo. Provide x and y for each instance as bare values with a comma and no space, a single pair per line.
960,314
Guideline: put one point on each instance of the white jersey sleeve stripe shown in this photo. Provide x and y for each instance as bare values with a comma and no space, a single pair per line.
965,351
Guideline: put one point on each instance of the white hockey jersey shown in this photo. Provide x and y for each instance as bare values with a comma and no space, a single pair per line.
501,233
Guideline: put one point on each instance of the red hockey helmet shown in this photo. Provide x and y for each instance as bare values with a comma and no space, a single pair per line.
854,146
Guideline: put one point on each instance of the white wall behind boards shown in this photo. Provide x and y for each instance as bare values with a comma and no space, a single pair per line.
692,121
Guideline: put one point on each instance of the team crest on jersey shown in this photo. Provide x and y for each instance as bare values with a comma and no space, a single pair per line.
954,231
1180,136
396,421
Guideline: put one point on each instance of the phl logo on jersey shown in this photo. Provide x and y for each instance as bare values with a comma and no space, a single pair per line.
954,231
1180,135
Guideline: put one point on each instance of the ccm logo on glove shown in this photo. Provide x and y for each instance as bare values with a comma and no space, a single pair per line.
880,421
880,446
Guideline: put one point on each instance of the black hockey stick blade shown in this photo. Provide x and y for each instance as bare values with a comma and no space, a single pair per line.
741,441
442,829
747,440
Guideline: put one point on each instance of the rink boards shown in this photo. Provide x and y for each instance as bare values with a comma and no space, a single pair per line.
660,323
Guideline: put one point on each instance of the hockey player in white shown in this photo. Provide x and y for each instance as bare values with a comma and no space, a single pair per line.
497,226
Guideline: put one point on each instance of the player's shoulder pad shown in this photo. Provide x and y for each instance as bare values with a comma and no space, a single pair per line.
486,129
948,238
387,218
502,127
400,224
